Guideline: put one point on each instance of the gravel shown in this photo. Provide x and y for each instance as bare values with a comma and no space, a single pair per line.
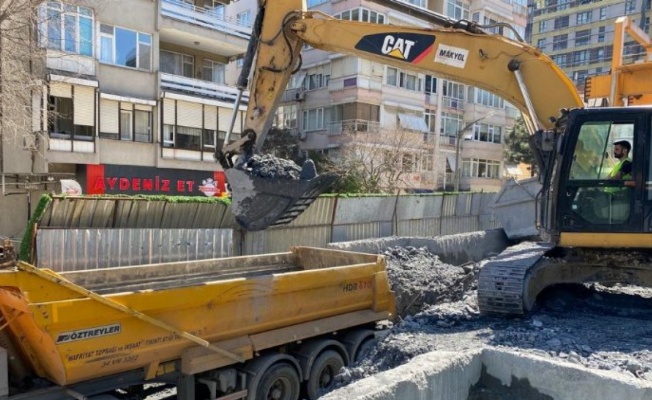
268,166
597,327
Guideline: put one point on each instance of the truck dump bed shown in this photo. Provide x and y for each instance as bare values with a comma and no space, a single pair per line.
77,326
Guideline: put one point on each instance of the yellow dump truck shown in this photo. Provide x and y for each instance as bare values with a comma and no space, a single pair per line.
272,326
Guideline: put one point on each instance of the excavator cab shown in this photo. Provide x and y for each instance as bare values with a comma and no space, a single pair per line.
601,188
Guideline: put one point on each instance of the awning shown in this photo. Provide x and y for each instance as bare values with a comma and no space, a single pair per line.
452,162
413,122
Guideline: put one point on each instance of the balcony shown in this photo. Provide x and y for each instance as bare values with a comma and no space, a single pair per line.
202,29
353,125
200,88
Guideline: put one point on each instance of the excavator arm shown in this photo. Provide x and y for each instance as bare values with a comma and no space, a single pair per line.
513,70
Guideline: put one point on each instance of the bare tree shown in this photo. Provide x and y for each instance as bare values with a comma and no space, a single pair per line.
382,159
20,83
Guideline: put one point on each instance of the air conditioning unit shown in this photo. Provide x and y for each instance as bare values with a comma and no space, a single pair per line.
30,142
299,95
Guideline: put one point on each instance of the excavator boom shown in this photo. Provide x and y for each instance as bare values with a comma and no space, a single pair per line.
513,70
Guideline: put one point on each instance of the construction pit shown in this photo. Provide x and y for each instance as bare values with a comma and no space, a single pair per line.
579,342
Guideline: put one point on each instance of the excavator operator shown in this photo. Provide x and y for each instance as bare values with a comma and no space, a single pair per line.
623,169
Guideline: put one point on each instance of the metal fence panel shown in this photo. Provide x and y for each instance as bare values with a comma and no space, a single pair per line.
360,210
78,249
345,233
463,204
418,227
418,207
320,212
449,205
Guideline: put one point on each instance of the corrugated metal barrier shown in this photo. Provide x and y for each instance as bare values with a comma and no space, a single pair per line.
79,233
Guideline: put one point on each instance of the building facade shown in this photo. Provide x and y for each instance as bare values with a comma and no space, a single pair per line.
578,35
333,94
135,98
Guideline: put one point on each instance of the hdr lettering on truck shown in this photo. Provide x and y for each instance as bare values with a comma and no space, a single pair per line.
89,333
453,56
408,47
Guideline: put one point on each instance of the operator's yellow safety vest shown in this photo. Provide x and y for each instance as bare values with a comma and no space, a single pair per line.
616,169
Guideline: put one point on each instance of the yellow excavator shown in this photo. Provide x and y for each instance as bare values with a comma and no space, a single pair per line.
595,228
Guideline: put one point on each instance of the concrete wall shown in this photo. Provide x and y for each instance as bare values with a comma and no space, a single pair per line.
441,375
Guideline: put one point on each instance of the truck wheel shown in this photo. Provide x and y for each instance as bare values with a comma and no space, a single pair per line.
322,373
364,349
280,382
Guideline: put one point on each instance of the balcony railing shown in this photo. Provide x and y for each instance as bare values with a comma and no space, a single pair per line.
204,17
197,87
353,125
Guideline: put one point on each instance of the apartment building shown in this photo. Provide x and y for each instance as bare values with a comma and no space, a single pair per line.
578,35
334,93
136,97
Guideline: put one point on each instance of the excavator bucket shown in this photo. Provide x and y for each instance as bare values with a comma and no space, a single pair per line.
259,203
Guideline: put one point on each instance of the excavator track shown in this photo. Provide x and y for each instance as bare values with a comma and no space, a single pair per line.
502,281
511,282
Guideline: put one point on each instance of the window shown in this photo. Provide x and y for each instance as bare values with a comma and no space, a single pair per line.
488,133
580,57
125,47
316,81
68,28
313,119
480,168
125,121
582,38
543,26
126,125
560,42
451,124
209,139
630,6
187,138
361,14
541,44
61,124
287,116
453,95
488,99
244,18
213,72
561,22
431,84
603,13
457,9
601,31
177,64
403,79
583,17
312,3
418,3
561,60
143,126
594,199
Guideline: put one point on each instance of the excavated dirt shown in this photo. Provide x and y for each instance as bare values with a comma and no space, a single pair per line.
597,327
268,166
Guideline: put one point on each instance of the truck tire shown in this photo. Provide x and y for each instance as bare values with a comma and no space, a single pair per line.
322,373
364,349
279,382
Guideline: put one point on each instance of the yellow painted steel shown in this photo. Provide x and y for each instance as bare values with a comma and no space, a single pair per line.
605,240
287,24
69,336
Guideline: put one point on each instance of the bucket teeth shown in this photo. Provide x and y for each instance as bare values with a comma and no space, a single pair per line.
260,203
